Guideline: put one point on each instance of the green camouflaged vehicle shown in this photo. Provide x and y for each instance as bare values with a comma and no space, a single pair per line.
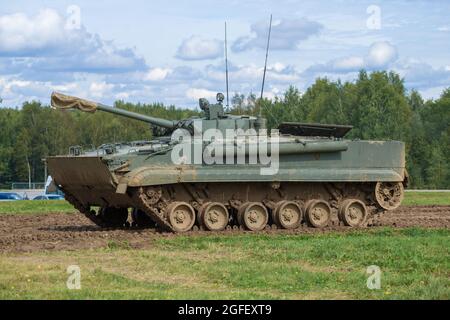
302,174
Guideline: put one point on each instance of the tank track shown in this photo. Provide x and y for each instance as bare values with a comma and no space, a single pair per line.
90,214
156,200
145,204
164,205
373,220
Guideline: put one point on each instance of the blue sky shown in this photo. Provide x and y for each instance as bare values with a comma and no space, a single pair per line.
172,51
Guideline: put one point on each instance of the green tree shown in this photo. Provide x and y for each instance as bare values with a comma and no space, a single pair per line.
378,108
325,102
437,168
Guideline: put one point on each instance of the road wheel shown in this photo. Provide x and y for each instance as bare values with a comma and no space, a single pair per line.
352,212
288,214
318,213
214,216
181,216
253,216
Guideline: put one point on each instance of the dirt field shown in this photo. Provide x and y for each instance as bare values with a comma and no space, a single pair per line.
61,231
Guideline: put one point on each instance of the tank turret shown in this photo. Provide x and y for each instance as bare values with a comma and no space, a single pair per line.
214,115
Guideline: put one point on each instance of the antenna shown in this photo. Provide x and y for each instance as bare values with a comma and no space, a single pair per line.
226,63
265,63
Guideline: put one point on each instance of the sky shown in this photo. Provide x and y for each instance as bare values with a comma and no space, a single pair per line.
173,51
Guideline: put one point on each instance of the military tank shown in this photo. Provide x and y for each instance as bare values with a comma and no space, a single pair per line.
315,177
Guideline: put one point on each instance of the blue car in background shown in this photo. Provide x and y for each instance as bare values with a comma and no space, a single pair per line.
9,196
49,197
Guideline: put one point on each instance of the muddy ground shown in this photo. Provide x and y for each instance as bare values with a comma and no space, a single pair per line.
59,231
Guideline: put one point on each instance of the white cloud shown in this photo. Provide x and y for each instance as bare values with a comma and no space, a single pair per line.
278,67
15,91
157,74
349,63
66,87
276,73
420,75
286,34
381,54
122,95
197,93
47,45
20,34
99,89
197,48
432,92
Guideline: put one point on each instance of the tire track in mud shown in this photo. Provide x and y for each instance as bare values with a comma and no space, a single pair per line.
60,231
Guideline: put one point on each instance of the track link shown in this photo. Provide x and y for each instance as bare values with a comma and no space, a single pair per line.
83,209
151,211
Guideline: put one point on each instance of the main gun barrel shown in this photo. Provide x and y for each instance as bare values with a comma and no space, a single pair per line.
133,115
62,101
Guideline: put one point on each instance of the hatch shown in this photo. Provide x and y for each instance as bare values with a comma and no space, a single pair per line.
314,129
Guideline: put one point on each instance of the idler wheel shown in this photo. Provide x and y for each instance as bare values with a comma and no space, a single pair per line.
287,214
352,212
113,217
181,216
213,216
389,195
253,216
318,213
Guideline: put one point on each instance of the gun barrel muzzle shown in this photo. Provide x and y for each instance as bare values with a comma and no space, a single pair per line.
62,101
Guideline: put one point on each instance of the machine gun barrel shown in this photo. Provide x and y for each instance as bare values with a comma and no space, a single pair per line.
61,101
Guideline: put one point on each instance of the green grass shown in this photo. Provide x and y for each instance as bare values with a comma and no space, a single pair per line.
414,262
35,206
46,206
417,198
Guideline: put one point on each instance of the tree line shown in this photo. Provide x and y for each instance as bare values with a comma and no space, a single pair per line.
377,104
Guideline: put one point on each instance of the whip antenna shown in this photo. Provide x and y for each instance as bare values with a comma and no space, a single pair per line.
226,63
265,63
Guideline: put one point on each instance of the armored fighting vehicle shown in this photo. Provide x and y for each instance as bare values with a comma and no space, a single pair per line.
222,171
